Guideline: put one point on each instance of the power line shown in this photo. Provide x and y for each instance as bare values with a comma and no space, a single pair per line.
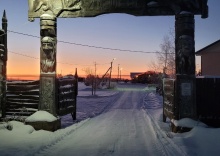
15,32
39,59
86,45
24,55
57,62
78,44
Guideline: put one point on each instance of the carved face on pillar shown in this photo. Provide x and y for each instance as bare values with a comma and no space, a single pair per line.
1,63
48,55
185,53
2,47
186,44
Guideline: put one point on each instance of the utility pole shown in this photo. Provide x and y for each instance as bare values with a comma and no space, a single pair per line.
118,71
110,73
95,79
109,83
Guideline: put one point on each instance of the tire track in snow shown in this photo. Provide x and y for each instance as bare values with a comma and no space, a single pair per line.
158,144
151,101
43,150
164,140
162,136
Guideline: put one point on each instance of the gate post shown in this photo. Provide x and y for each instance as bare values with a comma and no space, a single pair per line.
3,64
185,98
48,85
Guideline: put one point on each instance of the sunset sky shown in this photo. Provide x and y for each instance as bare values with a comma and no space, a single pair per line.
117,31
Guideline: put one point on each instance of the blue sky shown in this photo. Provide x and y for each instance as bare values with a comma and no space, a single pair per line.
120,31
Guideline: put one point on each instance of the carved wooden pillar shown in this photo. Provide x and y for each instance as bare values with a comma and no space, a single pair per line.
185,65
3,64
48,85
2,74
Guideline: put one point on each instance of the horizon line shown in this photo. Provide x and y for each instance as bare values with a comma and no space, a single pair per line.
35,75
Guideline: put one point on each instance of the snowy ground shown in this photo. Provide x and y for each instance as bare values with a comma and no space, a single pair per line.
124,121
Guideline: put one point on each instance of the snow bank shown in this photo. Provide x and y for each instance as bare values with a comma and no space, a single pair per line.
187,122
41,116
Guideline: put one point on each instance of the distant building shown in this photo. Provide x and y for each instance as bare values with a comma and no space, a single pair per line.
210,59
148,77
134,74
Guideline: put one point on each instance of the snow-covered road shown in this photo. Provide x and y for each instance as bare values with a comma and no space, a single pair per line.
123,129
123,121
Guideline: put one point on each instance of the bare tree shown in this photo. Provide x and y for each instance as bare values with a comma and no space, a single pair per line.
166,55
155,66
88,71
90,78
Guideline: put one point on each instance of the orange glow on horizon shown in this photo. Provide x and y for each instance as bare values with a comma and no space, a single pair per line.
37,77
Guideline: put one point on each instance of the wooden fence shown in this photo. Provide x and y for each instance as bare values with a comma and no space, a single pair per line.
169,108
207,100
22,97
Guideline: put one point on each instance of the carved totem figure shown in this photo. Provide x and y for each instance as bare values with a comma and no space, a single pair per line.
48,55
48,83
185,65
3,64
185,45
2,54
185,56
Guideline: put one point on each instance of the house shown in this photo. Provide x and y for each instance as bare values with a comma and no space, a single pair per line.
210,59
134,74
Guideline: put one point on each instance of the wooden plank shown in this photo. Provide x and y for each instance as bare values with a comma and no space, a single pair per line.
63,82
65,96
23,100
66,104
21,110
67,92
35,97
17,113
66,89
66,79
35,92
23,83
21,103
29,105
22,88
66,83
66,111
10,105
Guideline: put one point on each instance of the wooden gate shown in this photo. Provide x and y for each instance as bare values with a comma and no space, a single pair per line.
208,100
169,108
22,98
67,93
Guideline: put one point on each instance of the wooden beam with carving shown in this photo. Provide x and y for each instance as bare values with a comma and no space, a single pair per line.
91,8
